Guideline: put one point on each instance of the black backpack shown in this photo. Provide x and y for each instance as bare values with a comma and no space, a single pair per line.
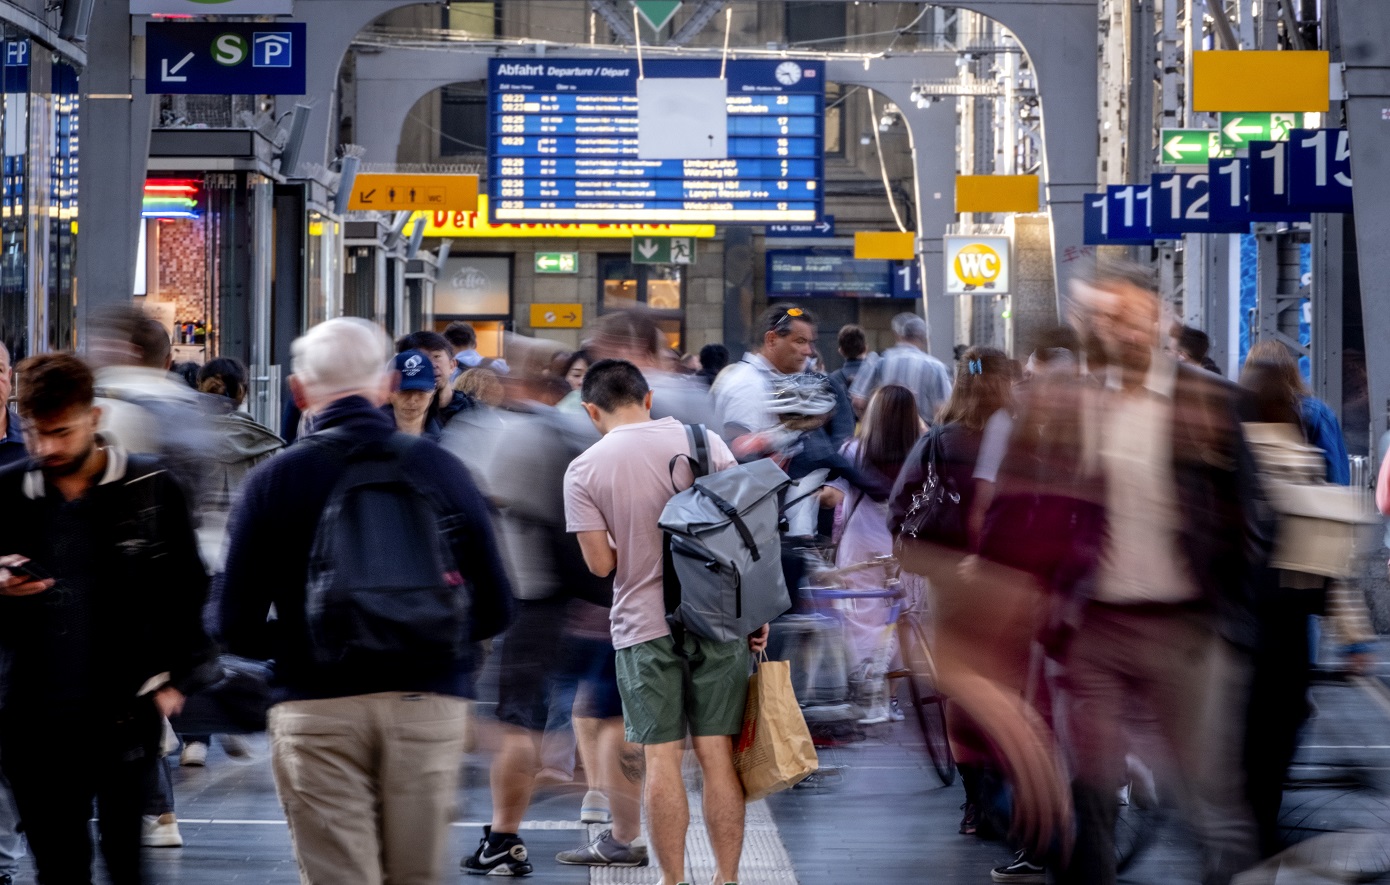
383,585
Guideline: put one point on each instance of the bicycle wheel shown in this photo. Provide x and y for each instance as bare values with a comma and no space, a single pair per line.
927,702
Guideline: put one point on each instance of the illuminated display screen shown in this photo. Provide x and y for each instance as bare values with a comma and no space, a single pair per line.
562,145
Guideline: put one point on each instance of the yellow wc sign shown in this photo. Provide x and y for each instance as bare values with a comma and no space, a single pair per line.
976,265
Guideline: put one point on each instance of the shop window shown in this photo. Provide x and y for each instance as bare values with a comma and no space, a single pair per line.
462,119
816,25
474,19
835,96
660,287
478,290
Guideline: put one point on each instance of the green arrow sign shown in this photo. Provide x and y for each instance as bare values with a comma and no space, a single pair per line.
657,12
663,250
557,262
1239,129
1188,147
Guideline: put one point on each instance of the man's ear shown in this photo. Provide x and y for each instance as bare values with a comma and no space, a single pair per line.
647,401
594,414
301,399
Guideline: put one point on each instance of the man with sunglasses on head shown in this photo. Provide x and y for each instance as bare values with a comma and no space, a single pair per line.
786,337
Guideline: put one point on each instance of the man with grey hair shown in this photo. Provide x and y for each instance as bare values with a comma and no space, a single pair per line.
907,363
365,748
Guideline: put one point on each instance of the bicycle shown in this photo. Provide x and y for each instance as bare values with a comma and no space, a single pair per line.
904,623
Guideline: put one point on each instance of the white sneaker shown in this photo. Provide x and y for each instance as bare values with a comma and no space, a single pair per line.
161,832
594,809
235,745
194,755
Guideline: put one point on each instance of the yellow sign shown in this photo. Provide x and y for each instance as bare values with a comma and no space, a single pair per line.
1249,80
976,265
565,315
996,193
892,245
445,193
466,223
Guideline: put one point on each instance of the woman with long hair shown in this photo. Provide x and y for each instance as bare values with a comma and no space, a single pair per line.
890,429
977,629
1279,379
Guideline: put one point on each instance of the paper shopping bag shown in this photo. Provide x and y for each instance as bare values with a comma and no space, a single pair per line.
774,750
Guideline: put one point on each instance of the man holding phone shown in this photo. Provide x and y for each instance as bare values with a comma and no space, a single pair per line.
101,594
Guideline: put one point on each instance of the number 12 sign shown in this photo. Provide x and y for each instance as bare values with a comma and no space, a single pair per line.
1319,170
1182,205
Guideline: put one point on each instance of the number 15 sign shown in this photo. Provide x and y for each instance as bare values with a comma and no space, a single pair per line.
1319,170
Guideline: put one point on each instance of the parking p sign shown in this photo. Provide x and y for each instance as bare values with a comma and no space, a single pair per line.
225,58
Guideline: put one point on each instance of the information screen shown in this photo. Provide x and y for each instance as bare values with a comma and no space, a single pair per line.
562,144
808,273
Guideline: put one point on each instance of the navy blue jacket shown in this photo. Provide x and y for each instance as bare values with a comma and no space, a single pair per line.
272,530
12,444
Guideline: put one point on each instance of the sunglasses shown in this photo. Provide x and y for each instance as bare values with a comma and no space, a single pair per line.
784,322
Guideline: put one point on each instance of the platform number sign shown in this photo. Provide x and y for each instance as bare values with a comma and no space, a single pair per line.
1182,204
1097,224
1232,197
1129,212
1319,170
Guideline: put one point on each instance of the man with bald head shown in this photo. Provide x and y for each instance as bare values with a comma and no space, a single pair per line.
1166,622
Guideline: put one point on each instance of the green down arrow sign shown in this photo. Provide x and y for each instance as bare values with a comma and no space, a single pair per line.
657,12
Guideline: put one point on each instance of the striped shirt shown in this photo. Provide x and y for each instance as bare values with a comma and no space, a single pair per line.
920,372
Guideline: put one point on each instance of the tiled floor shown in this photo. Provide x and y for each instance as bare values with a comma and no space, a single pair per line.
887,819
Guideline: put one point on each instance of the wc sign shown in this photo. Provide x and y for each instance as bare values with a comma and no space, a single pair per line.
976,265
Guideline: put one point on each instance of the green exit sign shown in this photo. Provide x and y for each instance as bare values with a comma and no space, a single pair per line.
663,250
557,262
1188,147
1239,129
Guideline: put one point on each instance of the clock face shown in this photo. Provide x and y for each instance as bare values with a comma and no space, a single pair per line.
788,72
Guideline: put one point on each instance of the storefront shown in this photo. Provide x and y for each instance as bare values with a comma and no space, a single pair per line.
38,204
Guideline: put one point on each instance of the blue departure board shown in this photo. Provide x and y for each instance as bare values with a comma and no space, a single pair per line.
562,145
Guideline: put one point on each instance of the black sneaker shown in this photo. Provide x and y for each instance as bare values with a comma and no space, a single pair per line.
507,858
1021,870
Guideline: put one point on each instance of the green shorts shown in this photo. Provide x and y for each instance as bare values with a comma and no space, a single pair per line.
664,692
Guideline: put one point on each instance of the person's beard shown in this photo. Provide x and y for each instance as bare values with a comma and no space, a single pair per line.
69,467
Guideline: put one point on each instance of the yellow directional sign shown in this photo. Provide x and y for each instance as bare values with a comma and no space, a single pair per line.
564,315
446,193
996,193
885,244
1250,80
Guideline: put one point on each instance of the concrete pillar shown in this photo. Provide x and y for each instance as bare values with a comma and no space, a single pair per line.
115,115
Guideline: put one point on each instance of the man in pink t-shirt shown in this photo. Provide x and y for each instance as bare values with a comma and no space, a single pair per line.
614,495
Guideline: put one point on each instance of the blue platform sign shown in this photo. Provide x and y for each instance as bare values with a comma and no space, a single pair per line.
16,69
1231,194
1096,224
1129,213
1319,170
1182,205
562,145
823,228
225,58
827,273
1269,176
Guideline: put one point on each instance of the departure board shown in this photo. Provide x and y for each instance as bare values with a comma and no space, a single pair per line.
562,144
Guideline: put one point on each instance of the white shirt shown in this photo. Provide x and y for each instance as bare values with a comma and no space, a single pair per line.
741,395
1141,561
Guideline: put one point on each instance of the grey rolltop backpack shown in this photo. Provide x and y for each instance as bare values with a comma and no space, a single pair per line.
722,551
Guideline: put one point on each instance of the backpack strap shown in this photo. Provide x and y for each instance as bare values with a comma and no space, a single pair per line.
698,457
740,526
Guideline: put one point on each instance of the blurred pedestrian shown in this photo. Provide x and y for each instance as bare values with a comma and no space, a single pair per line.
464,340
713,359
12,451
854,348
11,437
784,336
482,385
907,363
1189,345
1317,422
635,336
100,608
370,718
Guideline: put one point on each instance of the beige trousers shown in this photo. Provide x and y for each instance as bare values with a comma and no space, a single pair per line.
369,784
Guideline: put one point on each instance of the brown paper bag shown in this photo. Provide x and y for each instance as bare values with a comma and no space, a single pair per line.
774,750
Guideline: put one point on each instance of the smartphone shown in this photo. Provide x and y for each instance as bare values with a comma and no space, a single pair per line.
30,570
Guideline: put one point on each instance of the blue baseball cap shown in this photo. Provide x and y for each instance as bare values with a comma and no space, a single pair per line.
416,370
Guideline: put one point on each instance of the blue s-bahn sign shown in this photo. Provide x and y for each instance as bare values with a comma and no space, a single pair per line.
225,58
